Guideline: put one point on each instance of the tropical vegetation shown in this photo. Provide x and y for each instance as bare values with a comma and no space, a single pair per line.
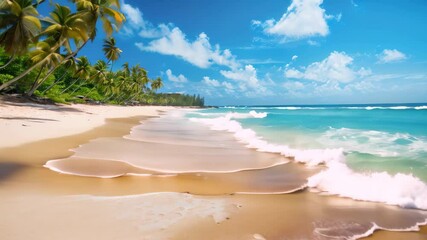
39,56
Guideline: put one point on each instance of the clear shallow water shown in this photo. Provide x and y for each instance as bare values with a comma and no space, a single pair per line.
380,144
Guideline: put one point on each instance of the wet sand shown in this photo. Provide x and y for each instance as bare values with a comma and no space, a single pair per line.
33,191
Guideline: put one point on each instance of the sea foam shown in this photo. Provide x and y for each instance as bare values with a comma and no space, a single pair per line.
378,143
401,189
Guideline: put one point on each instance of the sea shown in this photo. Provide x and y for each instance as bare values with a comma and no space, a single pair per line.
370,152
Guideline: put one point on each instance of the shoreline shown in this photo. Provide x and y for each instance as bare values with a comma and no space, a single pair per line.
30,155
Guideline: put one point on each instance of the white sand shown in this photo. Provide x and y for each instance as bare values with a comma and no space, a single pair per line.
27,122
33,215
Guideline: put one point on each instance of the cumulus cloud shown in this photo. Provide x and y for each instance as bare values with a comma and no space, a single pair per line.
133,14
303,18
391,55
137,24
211,82
336,67
226,86
294,57
247,77
198,52
177,79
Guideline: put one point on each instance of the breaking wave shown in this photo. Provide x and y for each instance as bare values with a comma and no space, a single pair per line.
338,179
292,108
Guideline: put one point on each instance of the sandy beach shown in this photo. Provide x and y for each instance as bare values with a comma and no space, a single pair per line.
86,172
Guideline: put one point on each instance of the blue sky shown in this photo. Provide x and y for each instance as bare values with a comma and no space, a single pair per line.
255,52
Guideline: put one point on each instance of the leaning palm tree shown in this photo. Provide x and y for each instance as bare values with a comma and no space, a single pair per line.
111,51
19,26
46,54
63,26
99,75
69,68
42,55
82,72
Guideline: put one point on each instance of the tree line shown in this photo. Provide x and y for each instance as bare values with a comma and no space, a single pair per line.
39,56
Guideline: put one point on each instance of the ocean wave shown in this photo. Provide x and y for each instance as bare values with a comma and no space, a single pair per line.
403,190
235,115
292,108
378,143
354,230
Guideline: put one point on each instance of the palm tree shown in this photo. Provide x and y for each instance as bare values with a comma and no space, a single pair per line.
82,73
63,26
99,74
111,51
44,53
19,26
106,10
156,84
69,67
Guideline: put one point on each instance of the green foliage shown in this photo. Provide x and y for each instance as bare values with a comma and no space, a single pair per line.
44,58
5,77
175,99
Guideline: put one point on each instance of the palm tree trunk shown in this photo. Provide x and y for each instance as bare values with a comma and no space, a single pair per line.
37,78
87,94
7,84
54,83
8,62
70,85
78,87
38,84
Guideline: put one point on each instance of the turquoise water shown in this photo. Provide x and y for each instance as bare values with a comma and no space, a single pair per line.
374,138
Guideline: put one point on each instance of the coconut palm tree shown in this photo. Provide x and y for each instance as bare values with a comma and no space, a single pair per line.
156,84
42,55
82,72
69,66
19,26
63,26
46,54
105,10
111,51
99,74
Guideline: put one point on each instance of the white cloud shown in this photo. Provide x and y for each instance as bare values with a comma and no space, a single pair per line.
136,23
149,31
247,77
133,15
303,18
177,79
211,82
294,57
248,81
391,55
226,86
199,52
336,67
